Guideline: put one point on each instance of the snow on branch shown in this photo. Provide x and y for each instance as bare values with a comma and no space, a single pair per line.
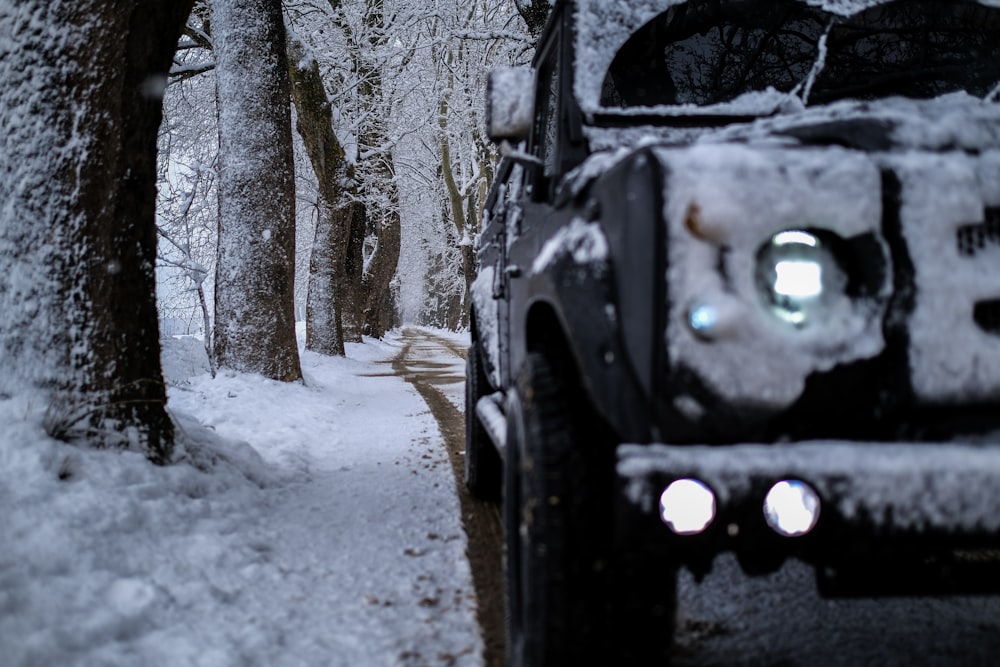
490,35
186,71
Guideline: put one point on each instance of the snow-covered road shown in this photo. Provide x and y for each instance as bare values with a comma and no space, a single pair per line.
335,540
441,383
730,620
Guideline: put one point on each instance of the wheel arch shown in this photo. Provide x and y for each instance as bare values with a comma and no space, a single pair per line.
582,336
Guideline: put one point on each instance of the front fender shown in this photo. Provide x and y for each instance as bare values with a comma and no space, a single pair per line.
573,302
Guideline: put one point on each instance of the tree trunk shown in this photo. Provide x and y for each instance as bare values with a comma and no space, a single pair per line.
381,312
465,224
354,267
382,213
255,272
81,88
333,303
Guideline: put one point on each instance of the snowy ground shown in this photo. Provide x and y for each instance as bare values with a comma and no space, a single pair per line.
332,538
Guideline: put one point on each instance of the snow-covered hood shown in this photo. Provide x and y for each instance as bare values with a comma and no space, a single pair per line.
957,121
952,122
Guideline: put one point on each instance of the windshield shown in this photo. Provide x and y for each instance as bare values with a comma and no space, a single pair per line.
708,52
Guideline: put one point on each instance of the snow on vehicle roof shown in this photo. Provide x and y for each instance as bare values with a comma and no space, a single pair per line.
603,28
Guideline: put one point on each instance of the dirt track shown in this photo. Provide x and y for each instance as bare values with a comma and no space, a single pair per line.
481,520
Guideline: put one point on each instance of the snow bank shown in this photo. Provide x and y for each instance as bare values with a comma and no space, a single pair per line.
332,538
106,556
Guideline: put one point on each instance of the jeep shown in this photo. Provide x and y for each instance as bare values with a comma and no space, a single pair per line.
738,291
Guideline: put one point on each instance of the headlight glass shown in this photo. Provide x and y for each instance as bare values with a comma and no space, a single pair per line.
791,508
798,277
687,506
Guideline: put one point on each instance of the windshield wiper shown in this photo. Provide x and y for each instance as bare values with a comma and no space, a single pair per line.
806,86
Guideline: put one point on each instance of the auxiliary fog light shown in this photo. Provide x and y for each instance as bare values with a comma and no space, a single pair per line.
791,508
798,276
687,506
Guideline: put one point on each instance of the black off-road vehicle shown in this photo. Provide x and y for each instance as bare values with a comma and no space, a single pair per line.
739,291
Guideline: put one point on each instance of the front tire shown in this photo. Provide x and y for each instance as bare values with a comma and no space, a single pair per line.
571,598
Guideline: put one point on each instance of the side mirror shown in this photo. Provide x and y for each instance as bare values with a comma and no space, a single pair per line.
510,103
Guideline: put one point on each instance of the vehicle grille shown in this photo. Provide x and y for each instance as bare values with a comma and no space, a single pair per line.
974,238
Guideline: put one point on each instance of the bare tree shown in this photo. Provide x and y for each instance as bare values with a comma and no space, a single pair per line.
382,213
255,270
334,298
187,203
464,43
80,104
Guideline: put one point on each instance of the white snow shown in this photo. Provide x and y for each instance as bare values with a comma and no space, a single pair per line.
951,360
583,241
511,102
487,323
723,203
303,524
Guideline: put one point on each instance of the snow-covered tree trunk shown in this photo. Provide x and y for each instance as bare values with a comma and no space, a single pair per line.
81,83
255,272
382,212
333,302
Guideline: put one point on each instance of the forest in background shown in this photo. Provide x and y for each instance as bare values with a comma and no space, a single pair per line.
391,161
228,168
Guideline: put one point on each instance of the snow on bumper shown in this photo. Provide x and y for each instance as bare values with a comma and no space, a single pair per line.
865,489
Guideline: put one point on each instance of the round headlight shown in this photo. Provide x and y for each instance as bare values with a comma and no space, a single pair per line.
798,277
791,508
687,506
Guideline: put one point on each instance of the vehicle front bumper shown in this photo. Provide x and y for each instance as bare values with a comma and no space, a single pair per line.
880,503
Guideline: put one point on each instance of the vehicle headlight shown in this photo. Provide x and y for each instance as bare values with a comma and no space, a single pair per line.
687,506
798,277
791,508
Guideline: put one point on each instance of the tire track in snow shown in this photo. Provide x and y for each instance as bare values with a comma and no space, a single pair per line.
481,520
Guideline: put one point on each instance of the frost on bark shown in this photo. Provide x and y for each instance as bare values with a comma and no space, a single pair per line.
81,87
333,303
255,271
